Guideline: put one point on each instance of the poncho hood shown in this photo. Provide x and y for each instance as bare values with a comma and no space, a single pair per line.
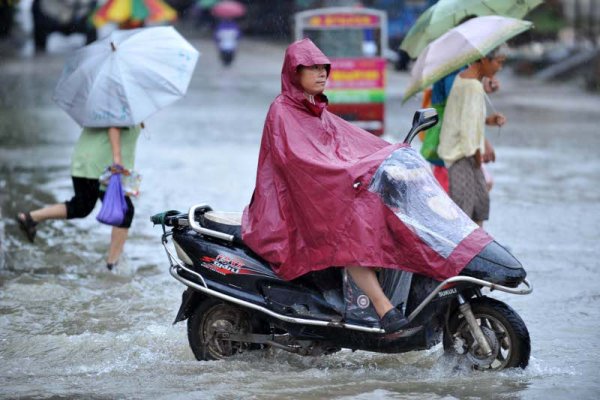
311,208
300,53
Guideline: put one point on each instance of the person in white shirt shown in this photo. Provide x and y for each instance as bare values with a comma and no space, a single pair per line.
462,138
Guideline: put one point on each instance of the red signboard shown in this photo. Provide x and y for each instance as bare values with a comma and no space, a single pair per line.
357,73
343,20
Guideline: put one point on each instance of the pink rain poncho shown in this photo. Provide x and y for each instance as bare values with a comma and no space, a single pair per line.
316,203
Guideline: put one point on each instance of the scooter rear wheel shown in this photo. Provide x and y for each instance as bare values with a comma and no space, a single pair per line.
506,332
210,324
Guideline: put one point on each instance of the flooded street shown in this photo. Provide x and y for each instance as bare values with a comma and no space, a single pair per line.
69,328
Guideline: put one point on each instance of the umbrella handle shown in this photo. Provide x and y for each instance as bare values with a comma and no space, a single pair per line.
489,101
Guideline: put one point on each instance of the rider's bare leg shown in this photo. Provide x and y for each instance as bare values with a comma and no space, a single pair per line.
366,280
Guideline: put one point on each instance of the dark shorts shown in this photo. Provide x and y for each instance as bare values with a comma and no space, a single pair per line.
87,192
468,188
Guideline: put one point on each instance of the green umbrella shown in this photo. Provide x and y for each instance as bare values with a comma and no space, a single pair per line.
207,3
446,14
459,46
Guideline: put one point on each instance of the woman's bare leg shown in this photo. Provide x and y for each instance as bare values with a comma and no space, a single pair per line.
117,242
55,211
366,280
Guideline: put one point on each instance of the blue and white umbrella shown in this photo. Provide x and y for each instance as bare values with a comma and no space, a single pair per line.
126,77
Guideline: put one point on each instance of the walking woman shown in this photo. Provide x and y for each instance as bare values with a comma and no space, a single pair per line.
96,149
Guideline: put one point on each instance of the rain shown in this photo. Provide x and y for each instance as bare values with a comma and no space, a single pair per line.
69,328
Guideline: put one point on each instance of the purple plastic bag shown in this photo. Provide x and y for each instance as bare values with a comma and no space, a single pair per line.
114,206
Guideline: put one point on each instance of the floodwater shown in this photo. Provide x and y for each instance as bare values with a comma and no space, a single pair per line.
69,329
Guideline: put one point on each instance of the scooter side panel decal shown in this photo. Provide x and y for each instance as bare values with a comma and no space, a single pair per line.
226,265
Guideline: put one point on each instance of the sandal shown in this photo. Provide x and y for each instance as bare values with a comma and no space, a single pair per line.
27,225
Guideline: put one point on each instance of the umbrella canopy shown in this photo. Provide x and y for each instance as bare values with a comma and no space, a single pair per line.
206,3
133,12
126,77
446,14
228,9
459,46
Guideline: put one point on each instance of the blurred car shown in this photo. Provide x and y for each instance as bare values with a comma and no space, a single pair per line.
182,6
64,16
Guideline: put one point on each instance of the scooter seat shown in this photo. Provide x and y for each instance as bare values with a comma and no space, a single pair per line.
225,222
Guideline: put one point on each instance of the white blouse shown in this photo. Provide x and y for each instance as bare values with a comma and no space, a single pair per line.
462,132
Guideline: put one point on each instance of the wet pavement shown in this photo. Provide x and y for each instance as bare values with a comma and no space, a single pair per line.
70,329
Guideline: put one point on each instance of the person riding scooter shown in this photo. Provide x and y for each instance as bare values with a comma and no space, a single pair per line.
312,208
227,35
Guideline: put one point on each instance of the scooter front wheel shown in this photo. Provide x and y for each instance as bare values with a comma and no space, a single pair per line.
210,326
505,332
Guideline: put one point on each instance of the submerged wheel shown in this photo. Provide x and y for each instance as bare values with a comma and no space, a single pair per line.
505,330
210,325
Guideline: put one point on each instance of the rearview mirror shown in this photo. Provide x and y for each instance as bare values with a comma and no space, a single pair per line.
424,119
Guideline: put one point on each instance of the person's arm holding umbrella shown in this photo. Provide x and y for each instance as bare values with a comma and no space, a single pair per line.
491,85
114,136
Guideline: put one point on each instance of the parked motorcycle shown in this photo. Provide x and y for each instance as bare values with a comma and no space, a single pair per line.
235,303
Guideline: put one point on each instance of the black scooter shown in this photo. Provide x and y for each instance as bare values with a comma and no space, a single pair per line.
235,303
